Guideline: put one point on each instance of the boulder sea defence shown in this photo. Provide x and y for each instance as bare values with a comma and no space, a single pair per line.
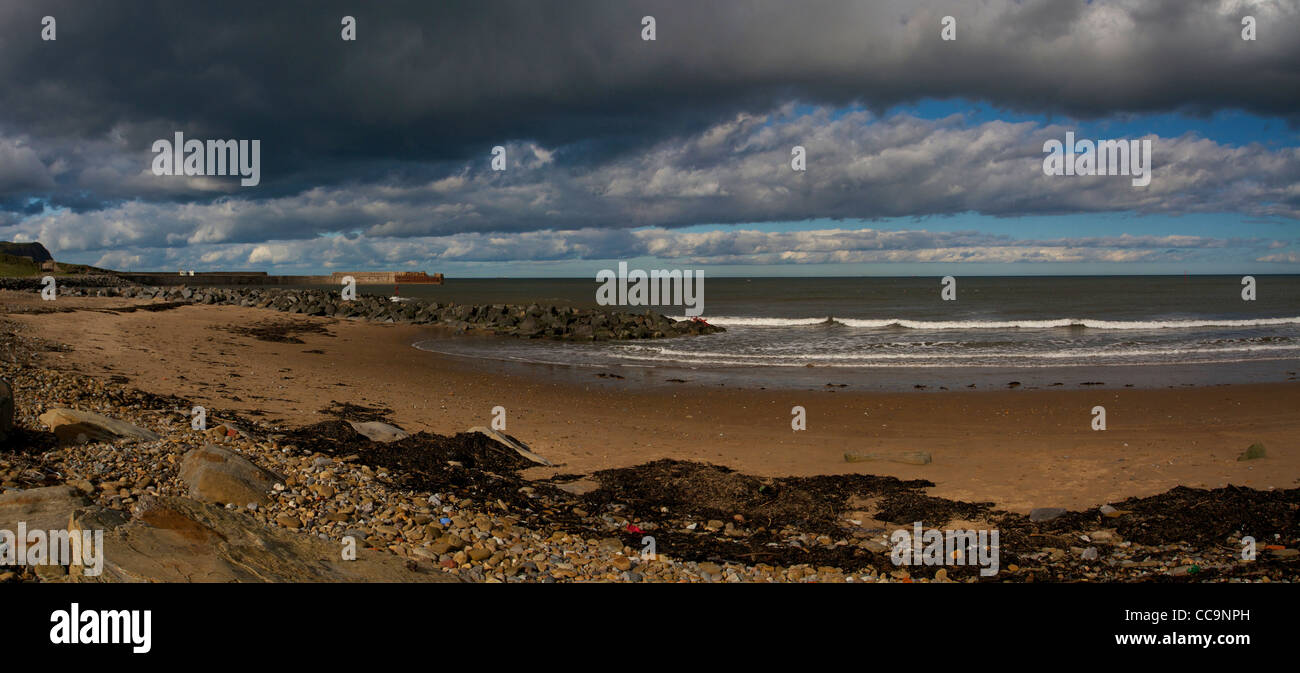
531,321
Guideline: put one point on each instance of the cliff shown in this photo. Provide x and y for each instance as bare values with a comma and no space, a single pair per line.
34,251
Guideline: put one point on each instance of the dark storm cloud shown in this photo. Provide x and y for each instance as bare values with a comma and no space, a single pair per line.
432,82
386,140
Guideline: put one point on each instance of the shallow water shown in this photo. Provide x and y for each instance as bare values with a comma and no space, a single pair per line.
900,330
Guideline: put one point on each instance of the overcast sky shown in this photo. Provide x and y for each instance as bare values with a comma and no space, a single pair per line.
923,155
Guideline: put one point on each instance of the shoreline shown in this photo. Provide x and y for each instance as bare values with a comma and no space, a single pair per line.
899,379
725,496
1018,449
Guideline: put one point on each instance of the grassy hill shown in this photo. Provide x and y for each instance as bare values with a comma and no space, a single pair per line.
15,266
35,251
18,260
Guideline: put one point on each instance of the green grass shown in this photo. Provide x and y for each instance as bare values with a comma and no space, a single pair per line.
13,266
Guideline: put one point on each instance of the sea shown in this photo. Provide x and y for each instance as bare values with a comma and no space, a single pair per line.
900,333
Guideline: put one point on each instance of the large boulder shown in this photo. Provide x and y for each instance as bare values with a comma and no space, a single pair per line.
36,509
216,474
45,508
72,426
170,539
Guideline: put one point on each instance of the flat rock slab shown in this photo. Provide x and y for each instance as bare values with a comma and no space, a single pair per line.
579,486
376,431
216,474
45,508
905,457
170,539
518,446
1045,513
75,427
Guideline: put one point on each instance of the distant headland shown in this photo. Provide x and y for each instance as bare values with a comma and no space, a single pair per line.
32,259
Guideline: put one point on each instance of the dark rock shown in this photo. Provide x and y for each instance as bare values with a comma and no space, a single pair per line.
1040,514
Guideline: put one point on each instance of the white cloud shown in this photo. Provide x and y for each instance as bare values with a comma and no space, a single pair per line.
859,167
722,247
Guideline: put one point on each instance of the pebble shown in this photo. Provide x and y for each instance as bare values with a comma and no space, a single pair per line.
478,540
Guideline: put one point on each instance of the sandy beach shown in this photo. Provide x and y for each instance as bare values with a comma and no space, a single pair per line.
1018,449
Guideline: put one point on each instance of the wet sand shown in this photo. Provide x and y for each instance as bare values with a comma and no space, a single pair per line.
1016,448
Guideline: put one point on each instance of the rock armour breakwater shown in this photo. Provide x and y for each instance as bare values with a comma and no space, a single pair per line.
533,321
82,282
